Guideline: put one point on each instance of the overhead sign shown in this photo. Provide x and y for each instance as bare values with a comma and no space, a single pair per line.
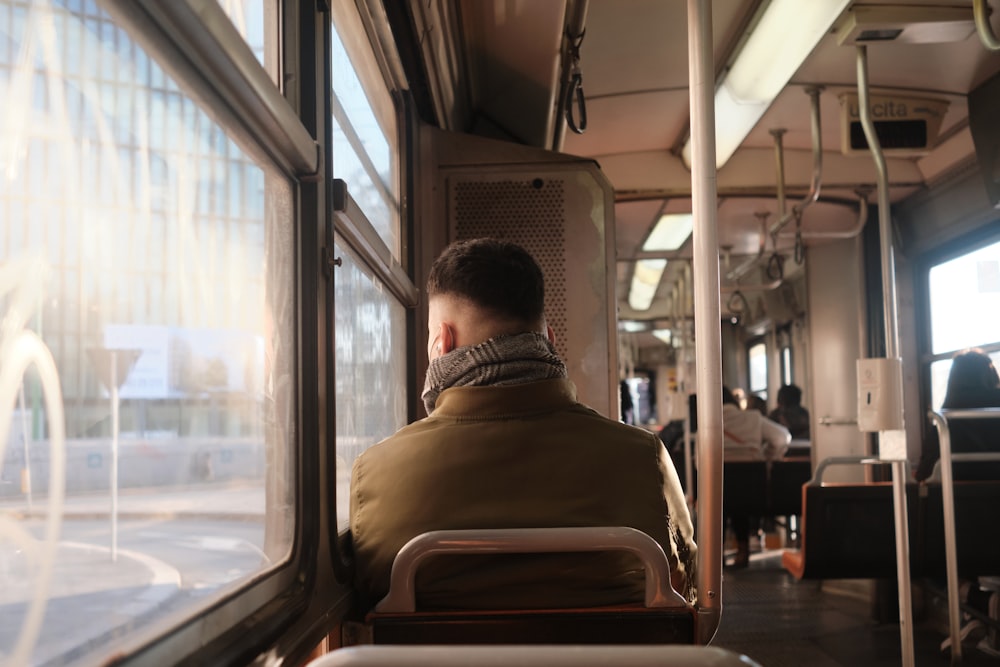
903,125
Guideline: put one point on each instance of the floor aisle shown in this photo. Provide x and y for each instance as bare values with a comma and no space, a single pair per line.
779,622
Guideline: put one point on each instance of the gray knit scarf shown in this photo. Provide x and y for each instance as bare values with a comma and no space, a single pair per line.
503,360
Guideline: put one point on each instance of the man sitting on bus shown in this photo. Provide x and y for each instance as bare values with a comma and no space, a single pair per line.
507,445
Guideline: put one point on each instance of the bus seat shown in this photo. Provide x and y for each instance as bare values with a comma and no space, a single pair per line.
744,488
788,476
847,531
977,540
532,656
663,618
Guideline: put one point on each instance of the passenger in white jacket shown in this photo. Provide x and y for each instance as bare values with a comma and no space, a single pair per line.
748,436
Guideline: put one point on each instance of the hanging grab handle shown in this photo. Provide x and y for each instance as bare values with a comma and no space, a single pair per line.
574,91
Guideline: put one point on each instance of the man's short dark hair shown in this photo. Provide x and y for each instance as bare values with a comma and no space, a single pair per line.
496,275
789,395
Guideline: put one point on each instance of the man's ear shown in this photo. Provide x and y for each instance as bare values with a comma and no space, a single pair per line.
550,334
446,338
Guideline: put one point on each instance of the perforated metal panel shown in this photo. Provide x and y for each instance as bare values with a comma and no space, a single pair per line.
532,214
559,212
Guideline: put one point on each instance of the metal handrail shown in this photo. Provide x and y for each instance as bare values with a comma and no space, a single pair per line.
900,470
402,590
983,26
940,421
815,182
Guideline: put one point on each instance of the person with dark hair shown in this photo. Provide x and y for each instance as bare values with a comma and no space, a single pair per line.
506,445
973,382
790,412
755,402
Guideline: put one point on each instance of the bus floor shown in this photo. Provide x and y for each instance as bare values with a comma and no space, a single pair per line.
778,621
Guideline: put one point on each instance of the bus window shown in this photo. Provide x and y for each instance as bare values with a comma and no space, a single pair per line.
964,308
147,250
370,319
757,360
365,136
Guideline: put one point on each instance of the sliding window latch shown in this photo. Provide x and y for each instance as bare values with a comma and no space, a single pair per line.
330,262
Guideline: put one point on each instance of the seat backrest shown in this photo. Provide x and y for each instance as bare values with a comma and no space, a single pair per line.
532,656
664,617
976,536
744,488
788,475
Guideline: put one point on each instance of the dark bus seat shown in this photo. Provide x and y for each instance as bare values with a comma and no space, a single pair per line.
976,536
848,532
744,488
788,476
533,656
663,618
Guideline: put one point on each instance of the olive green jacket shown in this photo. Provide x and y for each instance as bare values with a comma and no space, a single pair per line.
517,456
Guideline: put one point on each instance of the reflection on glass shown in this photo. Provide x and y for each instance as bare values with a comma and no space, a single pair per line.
370,368
364,149
167,308
248,17
962,292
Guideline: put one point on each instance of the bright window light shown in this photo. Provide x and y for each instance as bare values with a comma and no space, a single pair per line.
670,233
663,334
631,326
645,280
786,34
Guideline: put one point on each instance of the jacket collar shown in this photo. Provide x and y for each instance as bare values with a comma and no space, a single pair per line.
511,400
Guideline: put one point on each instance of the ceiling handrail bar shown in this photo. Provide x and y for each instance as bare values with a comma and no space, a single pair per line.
845,234
815,183
742,268
983,27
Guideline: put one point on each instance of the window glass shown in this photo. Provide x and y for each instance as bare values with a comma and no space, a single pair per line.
965,300
370,368
248,17
147,458
365,135
757,355
786,365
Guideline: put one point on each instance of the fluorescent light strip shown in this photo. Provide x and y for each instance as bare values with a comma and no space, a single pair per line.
664,335
670,233
645,280
784,37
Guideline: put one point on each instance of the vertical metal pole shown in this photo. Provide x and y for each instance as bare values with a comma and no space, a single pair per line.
899,467
950,549
708,342
114,455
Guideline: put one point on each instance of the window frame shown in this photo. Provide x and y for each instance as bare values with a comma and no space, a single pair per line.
349,224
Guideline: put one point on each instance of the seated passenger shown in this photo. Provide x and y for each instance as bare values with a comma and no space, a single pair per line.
755,402
790,412
506,445
972,383
748,436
